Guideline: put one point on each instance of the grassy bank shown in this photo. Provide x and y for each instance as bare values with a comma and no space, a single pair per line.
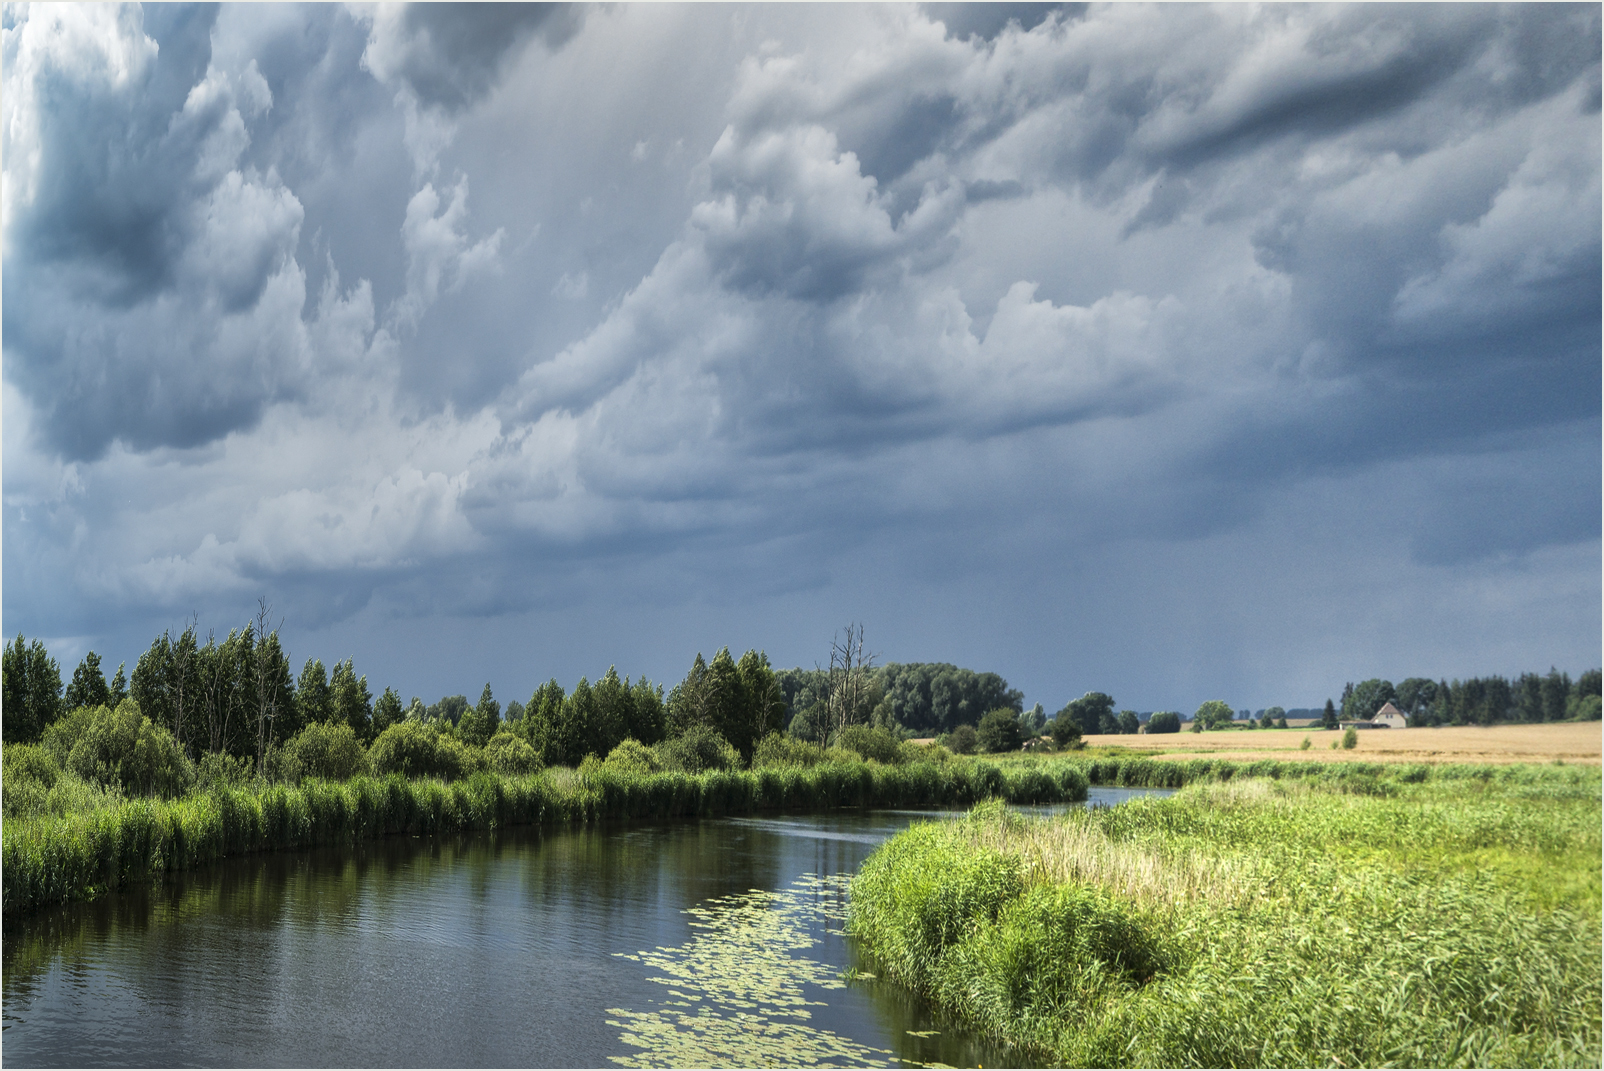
75,841
1370,919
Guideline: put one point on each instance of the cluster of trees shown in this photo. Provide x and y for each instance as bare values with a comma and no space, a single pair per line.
1531,697
923,698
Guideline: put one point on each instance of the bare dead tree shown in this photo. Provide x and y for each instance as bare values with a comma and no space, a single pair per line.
848,679
266,694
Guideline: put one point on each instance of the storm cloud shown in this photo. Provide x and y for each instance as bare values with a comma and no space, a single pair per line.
1171,351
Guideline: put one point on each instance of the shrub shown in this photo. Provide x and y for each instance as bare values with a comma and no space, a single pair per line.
964,740
633,757
1165,721
999,731
28,762
1305,745
413,749
780,749
121,748
697,749
329,750
218,769
1065,731
877,743
511,755
1350,738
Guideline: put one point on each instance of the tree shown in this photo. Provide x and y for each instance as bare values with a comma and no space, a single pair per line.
479,723
963,740
848,699
31,691
1212,713
1065,730
688,702
350,702
999,731
1416,696
271,671
764,704
576,727
312,699
542,722
1165,721
1272,717
1129,723
387,711
88,687
119,688
1366,698
1090,712
647,713
1329,719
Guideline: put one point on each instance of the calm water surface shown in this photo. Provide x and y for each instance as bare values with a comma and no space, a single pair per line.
692,943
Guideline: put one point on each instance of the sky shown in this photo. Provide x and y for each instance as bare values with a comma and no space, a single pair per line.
1174,352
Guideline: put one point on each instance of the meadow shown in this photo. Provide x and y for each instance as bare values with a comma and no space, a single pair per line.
1354,914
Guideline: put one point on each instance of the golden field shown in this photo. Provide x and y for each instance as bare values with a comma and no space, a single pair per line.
1566,741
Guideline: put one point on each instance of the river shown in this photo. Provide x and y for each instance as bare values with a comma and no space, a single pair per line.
712,942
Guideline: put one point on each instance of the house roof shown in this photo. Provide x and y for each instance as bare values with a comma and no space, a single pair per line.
1388,708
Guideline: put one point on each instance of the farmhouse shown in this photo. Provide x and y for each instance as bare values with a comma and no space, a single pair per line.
1388,717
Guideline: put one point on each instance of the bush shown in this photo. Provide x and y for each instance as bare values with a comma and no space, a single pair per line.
633,757
1305,745
510,755
329,750
999,731
1165,721
877,743
28,762
120,748
780,749
217,769
413,749
697,749
1350,738
962,741
1065,731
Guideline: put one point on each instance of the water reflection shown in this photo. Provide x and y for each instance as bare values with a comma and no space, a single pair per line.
496,950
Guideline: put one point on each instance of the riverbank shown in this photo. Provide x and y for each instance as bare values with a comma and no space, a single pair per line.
1412,915
86,843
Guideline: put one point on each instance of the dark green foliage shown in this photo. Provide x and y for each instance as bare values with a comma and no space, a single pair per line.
875,743
965,741
313,703
811,724
1091,712
30,692
541,722
479,723
999,731
576,734
935,697
1350,738
88,687
350,701
1212,714
329,750
697,749
387,711
1164,721
1064,731
1129,723
742,702
449,709
119,688
1366,698
1328,720
614,712
648,715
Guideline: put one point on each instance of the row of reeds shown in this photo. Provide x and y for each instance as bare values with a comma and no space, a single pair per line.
52,858
1453,921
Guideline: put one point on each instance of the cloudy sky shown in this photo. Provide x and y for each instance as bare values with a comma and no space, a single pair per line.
1177,352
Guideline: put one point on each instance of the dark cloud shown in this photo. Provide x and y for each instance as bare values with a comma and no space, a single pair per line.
988,20
452,54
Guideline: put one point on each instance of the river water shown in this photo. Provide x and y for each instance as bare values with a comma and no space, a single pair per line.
713,942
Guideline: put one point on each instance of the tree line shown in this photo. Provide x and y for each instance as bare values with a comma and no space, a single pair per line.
1531,697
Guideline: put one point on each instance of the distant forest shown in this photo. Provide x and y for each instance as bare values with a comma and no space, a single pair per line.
237,695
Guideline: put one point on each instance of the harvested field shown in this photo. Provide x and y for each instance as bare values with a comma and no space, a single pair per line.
1566,741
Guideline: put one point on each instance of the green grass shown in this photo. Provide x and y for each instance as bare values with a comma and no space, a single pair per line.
76,842
1430,918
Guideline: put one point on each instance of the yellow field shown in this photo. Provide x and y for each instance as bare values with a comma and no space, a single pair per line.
1568,741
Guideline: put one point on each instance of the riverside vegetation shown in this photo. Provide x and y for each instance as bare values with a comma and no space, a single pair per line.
107,798
1358,915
